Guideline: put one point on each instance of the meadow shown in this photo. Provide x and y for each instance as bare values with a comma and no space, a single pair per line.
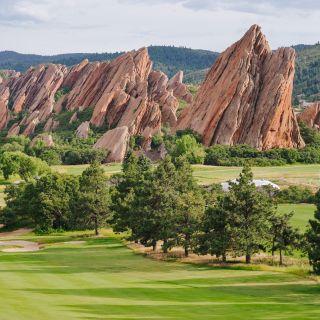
305,175
101,278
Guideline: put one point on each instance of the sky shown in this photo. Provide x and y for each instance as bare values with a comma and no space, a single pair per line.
61,26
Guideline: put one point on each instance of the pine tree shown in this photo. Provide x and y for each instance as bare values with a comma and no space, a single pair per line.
190,205
250,212
284,236
216,236
94,199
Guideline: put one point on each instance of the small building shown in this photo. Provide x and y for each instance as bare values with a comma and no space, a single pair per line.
258,183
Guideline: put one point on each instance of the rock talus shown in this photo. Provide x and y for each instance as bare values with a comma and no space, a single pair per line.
246,97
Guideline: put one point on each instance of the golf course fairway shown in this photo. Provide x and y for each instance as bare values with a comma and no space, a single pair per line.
100,278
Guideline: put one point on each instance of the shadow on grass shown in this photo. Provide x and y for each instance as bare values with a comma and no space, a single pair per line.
236,302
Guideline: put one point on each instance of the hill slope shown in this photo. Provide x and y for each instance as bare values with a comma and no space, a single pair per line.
307,80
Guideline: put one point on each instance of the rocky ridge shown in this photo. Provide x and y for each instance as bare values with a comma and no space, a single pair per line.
123,93
246,97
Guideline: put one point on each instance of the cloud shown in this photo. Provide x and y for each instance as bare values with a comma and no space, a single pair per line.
248,6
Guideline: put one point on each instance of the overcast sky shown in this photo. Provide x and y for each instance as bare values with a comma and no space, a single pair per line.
60,26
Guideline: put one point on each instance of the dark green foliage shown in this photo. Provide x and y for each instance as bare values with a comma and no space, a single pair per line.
162,204
239,155
156,142
310,136
136,142
216,231
295,194
44,204
313,238
307,82
285,238
250,212
93,199
61,92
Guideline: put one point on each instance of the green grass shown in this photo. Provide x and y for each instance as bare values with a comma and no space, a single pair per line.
102,279
302,213
307,175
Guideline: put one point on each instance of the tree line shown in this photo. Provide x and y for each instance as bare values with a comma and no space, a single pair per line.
163,206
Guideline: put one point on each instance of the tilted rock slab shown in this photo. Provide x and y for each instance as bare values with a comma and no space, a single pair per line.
311,116
116,142
246,97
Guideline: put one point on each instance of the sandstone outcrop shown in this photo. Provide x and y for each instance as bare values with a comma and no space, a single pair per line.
82,131
180,90
14,130
46,139
115,141
311,116
4,112
246,97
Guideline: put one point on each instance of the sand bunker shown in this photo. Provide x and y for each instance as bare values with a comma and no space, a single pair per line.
19,246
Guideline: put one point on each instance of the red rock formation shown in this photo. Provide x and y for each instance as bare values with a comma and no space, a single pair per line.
4,112
311,116
180,90
82,131
34,91
115,141
14,130
246,97
122,93
46,139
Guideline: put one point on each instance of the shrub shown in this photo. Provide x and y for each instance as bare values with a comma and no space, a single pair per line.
188,147
295,194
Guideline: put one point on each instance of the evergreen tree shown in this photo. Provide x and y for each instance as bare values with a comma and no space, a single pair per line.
94,199
284,236
128,194
162,202
250,212
313,238
190,205
216,236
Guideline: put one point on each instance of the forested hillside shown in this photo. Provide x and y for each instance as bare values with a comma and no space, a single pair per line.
307,80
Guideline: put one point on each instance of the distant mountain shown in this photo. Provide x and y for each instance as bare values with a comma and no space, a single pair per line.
307,79
168,59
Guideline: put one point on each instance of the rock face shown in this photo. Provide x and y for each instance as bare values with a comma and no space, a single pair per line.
311,116
4,112
115,141
246,97
180,90
83,130
46,139
123,93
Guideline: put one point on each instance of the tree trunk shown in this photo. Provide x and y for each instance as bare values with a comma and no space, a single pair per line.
154,245
248,258
281,258
165,246
224,258
187,245
273,247
96,226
